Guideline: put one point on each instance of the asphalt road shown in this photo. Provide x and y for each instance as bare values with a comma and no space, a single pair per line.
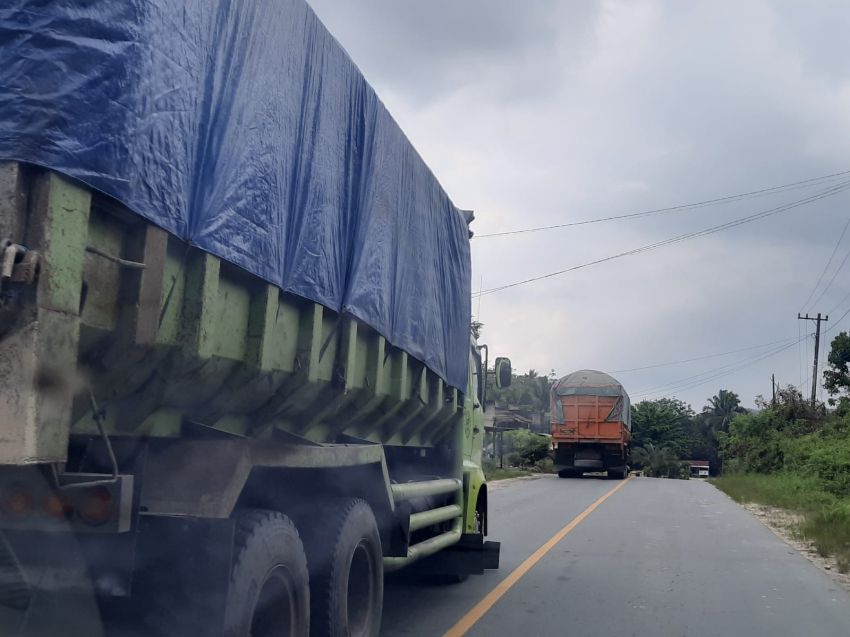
657,558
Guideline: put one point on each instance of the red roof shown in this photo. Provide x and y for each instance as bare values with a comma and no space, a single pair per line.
698,463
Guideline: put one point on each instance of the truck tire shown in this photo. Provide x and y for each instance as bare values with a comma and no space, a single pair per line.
346,570
269,593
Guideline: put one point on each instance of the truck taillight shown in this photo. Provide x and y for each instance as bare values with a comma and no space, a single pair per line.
95,506
56,508
17,501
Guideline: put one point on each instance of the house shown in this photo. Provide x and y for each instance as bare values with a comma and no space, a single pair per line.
699,468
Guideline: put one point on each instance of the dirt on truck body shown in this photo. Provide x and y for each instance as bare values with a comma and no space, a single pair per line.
238,383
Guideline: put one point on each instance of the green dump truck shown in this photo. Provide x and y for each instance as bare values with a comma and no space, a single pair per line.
232,395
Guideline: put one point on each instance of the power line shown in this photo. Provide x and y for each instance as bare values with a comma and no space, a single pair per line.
840,303
806,183
834,325
721,372
826,267
704,375
835,274
700,358
829,192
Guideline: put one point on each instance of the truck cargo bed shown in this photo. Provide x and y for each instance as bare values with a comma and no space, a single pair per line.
162,336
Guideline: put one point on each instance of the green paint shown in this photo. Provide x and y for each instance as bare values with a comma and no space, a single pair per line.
61,236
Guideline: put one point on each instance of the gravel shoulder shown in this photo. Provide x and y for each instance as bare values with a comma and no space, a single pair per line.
785,525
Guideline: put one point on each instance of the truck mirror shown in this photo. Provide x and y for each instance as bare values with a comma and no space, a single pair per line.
504,373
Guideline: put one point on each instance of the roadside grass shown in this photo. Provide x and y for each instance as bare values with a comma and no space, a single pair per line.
826,517
503,474
829,528
784,490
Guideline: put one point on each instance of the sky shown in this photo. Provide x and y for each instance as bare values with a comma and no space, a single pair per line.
548,112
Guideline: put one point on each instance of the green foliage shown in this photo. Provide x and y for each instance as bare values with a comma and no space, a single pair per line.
785,490
824,454
836,379
528,448
796,457
546,465
663,423
791,405
492,472
767,442
529,391
829,528
721,409
659,462
755,442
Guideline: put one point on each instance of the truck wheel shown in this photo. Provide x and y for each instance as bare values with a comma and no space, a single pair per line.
269,592
346,571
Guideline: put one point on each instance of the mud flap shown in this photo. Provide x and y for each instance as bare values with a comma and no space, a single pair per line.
471,556
182,574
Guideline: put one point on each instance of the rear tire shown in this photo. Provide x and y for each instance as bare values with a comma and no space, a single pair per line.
269,594
346,570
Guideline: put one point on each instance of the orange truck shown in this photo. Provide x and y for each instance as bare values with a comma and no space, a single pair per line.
591,425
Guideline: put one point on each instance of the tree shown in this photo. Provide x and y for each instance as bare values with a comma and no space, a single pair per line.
836,379
791,405
657,461
707,426
538,396
529,391
665,422
721,409
756,442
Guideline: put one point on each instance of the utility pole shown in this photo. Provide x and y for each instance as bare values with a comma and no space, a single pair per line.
773,389
818,321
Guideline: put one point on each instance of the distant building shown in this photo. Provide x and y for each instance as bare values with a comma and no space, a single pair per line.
699,468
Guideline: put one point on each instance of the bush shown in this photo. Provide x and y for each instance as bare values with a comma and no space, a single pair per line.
527,448
546,465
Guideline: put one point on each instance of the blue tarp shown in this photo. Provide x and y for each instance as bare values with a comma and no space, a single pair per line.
243,127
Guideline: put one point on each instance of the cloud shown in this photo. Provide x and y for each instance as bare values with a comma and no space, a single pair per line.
544,112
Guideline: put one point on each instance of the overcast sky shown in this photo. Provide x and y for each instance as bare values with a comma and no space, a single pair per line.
546,112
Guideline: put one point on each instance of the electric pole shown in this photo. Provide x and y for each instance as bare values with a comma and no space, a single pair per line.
818,321
773,389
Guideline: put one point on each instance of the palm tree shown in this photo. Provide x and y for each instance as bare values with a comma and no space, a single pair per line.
656,461
721,409
539,395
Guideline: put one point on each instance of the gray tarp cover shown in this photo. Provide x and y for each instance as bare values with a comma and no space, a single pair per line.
589,382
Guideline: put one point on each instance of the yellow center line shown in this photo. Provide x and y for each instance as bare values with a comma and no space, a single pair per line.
480,609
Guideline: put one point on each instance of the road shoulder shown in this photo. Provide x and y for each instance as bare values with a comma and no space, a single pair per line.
784,525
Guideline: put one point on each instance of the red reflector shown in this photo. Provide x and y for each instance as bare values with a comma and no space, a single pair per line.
95,506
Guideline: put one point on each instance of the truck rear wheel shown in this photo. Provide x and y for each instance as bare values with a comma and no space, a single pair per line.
346,571
269,594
